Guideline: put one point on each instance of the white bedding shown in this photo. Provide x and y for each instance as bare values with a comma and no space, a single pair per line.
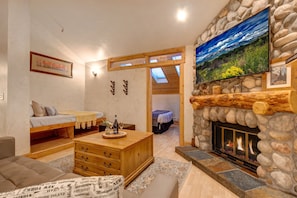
57,119
49,120
165,117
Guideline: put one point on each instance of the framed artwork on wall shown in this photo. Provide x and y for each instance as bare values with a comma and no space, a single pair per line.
50,65
279,76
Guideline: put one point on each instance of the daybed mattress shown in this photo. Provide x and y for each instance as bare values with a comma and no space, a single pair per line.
57,119
50,120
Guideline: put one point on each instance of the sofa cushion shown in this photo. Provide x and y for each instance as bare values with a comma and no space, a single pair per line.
162,186
17,172
96,186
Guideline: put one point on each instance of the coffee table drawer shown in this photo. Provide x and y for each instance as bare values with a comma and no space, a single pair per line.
88,167
102,162
98,150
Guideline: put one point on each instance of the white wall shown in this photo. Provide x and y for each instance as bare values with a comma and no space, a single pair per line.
15,46
129,108
166,102
62,92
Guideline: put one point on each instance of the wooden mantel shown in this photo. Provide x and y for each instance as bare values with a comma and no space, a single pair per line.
263,103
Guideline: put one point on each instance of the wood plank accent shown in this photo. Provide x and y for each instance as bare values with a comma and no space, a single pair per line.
263,103
146,57
53,147
69,128
172,87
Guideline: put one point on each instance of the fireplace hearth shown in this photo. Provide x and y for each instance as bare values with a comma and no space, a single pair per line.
236,143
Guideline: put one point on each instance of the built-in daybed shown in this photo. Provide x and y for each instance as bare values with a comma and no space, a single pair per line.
52,131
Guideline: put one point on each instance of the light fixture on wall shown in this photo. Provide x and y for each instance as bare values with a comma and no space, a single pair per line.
95,70
94,73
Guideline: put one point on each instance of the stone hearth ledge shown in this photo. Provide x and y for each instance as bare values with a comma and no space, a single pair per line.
239,181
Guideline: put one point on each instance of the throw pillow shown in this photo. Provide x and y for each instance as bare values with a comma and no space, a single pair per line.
39,111
51,111
31,112
96,186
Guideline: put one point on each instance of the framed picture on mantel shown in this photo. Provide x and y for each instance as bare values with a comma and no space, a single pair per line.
279,76
49,65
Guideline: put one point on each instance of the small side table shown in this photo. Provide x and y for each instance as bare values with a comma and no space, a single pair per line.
129,126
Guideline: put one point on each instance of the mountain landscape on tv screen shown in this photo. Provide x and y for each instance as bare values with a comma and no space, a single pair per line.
241,50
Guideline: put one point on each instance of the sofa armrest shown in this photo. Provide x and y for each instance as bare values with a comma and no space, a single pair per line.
7,147
162,186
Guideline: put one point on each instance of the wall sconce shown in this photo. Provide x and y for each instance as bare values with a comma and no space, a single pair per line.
125,85
94,73
112,86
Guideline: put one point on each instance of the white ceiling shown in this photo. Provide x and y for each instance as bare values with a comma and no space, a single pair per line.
90,30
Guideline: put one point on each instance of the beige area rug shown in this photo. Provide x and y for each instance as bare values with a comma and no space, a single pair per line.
160,166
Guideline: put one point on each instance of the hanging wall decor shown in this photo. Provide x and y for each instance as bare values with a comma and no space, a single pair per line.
50,65
125,85
112,86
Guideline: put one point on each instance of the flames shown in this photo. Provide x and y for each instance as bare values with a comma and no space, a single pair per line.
240,145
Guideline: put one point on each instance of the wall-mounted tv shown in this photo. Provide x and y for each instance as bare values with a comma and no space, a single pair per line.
241,50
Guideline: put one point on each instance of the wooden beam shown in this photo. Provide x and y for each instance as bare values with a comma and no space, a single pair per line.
263,103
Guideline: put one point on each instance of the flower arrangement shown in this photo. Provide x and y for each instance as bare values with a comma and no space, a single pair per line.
107,123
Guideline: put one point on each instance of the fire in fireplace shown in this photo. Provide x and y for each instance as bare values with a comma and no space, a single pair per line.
236,143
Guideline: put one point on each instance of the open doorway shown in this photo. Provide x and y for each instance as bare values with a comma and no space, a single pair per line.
165,93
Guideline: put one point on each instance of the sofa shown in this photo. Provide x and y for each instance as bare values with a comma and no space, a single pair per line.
20,174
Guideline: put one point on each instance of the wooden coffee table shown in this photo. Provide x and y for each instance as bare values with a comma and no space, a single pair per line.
127,156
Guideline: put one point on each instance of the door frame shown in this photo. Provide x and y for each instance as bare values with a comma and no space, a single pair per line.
181,102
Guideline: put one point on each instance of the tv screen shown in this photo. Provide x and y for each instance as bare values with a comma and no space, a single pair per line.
241,50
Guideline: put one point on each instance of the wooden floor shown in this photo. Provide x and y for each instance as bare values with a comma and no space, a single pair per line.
197,184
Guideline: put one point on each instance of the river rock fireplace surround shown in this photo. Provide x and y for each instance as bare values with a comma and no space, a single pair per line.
272,112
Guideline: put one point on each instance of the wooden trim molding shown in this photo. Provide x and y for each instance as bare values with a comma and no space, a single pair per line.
262,103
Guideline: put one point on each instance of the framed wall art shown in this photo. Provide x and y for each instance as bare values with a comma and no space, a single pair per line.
50,65
279,76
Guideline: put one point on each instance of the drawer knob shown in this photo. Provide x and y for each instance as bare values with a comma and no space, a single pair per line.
84,149
107,154
85,158
106,173
85,168
107,165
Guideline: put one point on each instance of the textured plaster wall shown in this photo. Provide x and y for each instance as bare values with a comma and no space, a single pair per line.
15,42
62,92
129,108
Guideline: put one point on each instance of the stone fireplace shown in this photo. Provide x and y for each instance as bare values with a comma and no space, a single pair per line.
276,151
246,101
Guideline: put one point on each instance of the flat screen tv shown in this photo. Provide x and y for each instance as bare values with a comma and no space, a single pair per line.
241,50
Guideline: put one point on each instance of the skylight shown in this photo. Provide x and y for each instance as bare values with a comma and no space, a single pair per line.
159,75
177,57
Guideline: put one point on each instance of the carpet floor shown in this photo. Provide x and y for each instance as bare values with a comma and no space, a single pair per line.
160,166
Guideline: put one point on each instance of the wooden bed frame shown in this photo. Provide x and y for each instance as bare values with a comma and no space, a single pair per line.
64,130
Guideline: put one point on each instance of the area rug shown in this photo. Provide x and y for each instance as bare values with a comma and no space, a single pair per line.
160,166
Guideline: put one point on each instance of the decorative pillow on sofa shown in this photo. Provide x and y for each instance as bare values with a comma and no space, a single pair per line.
51,111
96,186
38,109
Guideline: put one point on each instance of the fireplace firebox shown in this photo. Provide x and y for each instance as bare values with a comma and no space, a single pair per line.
236,143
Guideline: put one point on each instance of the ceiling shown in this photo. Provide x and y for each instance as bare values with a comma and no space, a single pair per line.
91,30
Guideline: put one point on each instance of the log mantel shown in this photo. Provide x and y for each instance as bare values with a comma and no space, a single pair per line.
263,103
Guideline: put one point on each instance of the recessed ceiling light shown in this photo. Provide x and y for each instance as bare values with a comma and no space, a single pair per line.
181,15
